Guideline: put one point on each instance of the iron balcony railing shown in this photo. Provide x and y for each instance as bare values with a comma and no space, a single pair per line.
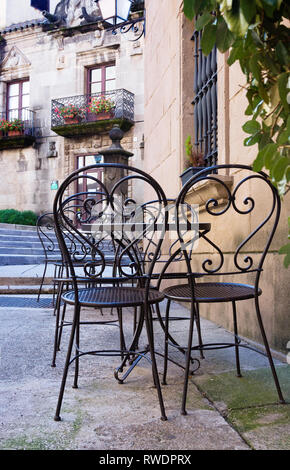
122,100
27,116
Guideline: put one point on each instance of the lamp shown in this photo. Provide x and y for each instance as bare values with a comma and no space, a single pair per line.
115,14
115,11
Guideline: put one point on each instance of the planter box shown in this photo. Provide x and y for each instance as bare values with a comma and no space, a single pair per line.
74,120
14,133
16,141
187,174
100,116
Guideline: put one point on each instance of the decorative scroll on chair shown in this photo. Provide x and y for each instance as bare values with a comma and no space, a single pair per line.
205,102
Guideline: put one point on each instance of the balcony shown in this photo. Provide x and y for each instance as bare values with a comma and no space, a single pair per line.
72,116
25,136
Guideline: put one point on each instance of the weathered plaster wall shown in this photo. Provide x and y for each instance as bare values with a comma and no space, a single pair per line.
168,120
55,66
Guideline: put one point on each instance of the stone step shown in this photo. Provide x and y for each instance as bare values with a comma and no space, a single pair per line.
26,281
19,290
21,250
16,259
22,238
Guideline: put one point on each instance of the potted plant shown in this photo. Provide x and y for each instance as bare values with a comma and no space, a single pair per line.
71,113
15,127
3,126
100,108
194,161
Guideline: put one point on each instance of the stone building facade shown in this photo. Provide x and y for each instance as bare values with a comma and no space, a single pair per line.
42,61
170,59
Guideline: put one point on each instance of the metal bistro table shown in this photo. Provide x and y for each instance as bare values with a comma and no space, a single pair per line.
173,255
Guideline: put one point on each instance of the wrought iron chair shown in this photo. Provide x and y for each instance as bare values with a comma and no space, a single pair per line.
103,205
52,254
220,211
80,255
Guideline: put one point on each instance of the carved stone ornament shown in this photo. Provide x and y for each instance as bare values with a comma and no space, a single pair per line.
14,58
74,11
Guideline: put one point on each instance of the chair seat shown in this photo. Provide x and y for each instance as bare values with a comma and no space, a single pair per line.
211,292
113,297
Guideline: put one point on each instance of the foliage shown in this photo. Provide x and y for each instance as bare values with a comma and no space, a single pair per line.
285,250
13,125
3,124
99,105
13,216
194,157
256,33
69,111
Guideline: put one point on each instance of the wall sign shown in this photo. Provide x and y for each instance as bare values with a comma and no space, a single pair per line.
54,185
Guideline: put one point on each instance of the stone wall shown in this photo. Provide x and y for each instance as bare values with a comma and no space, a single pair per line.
169,66
56,64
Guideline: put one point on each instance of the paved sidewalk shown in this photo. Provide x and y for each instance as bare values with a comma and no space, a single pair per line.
224,412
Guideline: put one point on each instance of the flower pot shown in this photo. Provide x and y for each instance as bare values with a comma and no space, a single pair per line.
74,120
190,172
104,115
91,117
15,132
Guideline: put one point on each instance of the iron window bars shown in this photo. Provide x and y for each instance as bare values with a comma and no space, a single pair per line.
205,102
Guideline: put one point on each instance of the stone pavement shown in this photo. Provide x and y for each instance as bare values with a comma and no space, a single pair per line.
224,412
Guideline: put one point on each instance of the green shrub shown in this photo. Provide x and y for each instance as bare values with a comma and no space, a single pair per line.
12,216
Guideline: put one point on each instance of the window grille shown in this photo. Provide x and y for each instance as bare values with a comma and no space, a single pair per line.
205,102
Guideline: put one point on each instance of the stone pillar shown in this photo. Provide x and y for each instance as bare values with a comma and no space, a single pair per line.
115,154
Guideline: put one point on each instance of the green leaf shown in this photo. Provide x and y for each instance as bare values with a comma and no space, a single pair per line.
191,8
208,39
234,17
264,156
283,89
258,163
285,250
280,167
255,67
237,52
263,92
254,139
203,20
224,37
271,3
248,8
251,127
282,53
284,137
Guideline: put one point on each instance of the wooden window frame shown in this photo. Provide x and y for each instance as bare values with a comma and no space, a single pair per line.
103,76
20,96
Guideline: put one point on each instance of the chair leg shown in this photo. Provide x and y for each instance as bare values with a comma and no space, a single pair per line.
199,331
77,359
61,326
67,362
149,329
57,323
42,281
188,356
122,339
268,351
236,340
166,342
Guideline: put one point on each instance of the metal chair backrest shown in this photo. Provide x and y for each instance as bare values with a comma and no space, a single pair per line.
237,213
97,211
46,234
